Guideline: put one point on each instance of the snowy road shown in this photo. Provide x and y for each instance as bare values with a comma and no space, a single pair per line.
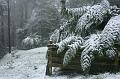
31,64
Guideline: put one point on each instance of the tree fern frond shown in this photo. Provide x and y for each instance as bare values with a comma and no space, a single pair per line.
72,50
95,15
65,30
111,33
111,53
63,44
69,25
102,44
114,10
55,36
74,12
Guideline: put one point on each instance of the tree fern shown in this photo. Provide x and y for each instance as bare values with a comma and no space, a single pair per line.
72,26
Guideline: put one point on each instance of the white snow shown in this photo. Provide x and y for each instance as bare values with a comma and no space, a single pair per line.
31,64
78,11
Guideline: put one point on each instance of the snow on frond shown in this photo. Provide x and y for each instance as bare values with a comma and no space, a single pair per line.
87,54
66,30
31,42
105,3
111,33
66,25
114,10
55,36
91,43
92,18
72,50
64,44
103,42
111,53
74,12
93,40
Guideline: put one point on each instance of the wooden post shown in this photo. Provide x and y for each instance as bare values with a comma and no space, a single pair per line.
9,26
63,4
49,63
49,66
116,62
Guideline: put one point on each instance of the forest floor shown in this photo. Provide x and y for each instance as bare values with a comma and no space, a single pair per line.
31,64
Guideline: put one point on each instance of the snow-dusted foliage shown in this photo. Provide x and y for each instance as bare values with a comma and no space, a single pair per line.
87,55
114,10
66,30
91,15
31,41
102,45
81,31
64,44
74,12
111,52
72,50
78,11
68,27
55,36
76,25
111,33
92,18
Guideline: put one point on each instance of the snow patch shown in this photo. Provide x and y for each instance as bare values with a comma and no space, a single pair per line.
31,64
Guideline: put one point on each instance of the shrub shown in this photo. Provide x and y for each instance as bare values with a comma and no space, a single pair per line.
32,41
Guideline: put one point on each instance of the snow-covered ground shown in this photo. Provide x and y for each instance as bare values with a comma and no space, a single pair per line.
31,64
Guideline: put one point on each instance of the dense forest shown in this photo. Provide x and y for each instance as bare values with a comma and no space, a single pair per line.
31,21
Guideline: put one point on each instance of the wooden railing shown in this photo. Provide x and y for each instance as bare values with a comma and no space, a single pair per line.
101,64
